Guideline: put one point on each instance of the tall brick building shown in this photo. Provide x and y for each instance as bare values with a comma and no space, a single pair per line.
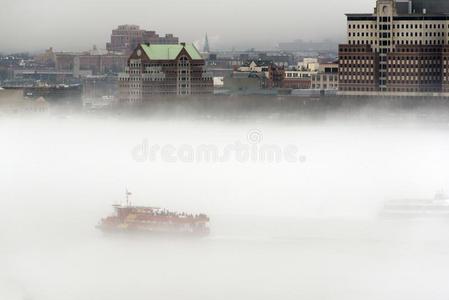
125,38
164,70
395,50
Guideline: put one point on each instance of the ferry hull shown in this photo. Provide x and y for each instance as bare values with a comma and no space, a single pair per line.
117,230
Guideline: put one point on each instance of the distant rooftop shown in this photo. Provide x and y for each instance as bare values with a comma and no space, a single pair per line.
425,9
258,62
431,6
372,17
128,27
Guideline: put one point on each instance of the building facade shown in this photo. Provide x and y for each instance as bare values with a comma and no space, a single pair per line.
301,75
394,51
298,79
125,38
326,78
164,70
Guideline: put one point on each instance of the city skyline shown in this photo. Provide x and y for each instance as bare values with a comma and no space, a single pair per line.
78,25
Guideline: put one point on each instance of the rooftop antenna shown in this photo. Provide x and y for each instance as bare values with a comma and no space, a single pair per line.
127,197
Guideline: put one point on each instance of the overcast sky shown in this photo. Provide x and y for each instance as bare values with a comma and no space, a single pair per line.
78,24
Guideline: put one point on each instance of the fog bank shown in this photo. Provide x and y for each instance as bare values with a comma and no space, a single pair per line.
305,229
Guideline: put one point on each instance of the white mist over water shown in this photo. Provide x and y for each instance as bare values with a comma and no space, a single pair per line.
304,230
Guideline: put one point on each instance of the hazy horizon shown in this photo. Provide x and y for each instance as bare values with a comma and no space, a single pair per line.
27,25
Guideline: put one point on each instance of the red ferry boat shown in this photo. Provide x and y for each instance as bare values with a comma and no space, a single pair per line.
154,221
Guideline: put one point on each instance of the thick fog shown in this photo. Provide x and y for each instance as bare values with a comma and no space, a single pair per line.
302,224
71,25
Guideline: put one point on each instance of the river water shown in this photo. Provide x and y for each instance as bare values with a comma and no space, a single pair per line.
280,230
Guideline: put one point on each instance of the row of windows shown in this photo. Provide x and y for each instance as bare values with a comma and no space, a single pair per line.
324,86
176,79
399,79
401,42
351,68
387,35
359,81
356,64
410,89
175,72
138,79
354,71
159,91
412,60
424,49
172,65
420,34
354,76
355,49
363,34
385,19
399,26
130,78
173,68
297,75
427,70
413,89
325,79
343,58
407,71
422,66
147,89
419,26
358,89
362,26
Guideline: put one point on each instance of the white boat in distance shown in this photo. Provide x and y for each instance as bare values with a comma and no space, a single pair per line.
438,207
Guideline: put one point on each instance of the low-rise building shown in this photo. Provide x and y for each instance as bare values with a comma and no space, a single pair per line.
298,79
12,102
87,63
309,64
255,66
300,76
326,78
61,94
244,82
97,87
269,74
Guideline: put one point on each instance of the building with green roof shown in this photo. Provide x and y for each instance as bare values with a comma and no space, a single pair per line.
170,52
170,70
